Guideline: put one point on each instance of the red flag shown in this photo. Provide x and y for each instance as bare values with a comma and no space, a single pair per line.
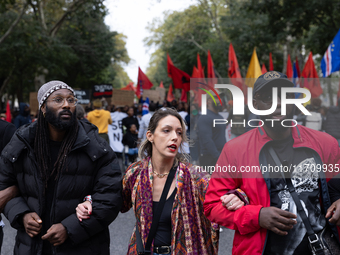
199,66
195,73
129,87
8,113
211,73
198,92
297,67
271,66
161,85
211,69
184,96
289,71
264,69
180,78
169,63
234,70
143,83
170,97
311,78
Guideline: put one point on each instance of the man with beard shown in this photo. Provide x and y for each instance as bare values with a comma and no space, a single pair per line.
272,222
55,162
211,139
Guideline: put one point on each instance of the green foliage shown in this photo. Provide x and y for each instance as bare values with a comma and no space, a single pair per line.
314,21
182,35
157,70
277,26
247,29
65,40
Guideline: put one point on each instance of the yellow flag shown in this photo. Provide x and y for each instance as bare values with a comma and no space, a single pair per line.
254,70
307,103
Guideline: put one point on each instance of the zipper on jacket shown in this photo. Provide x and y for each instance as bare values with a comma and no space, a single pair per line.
265,242
52,215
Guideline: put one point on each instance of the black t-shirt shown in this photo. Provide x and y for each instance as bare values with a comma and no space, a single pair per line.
163,233
49,195
305,180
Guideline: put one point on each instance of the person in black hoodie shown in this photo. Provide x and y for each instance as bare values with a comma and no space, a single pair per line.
130,140
55,162
129,120
332,123
23,116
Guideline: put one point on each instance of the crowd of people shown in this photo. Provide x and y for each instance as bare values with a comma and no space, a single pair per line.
61,184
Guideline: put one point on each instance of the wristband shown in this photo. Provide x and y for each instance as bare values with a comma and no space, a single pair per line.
240,194
88,198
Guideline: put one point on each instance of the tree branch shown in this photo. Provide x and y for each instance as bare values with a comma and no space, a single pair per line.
10,29
33,7
192,39
71,9
41,14
6,81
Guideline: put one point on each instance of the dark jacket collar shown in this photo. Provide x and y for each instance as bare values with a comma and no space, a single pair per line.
296,134
87,135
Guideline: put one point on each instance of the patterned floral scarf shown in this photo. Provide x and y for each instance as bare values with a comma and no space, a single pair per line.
192,232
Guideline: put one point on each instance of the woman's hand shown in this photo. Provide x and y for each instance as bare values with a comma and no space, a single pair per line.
231,202
84,210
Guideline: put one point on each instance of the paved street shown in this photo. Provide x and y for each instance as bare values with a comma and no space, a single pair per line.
120,231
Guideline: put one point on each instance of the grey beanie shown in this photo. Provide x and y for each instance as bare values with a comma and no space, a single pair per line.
48,88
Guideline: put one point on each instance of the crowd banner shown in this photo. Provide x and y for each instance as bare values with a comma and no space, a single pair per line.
122,97
83,96
34,102
162,93
115,131
157,95
104,90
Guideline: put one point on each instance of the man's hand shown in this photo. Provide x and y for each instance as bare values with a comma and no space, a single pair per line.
6,195
334,212
56,234
32,224
276,220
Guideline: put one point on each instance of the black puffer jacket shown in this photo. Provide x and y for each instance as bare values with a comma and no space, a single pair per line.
92,170
332,123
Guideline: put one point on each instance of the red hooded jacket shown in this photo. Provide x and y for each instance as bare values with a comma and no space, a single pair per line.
244,151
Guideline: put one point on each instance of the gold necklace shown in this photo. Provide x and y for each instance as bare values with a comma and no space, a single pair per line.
160,175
